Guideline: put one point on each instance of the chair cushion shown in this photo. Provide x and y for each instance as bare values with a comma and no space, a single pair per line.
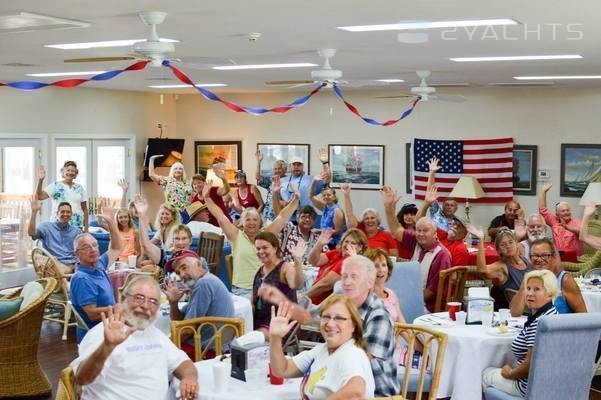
30,293
492,393
9,307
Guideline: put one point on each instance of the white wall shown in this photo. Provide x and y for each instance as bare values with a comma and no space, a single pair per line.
545,117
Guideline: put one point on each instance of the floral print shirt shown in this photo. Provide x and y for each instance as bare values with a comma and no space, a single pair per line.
177,193
74,195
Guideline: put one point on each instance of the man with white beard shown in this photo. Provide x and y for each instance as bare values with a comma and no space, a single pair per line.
535,229
127,357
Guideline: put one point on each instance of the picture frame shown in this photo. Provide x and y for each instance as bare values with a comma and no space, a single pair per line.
580,165
408,169
283,151
360,165
206,151
525,164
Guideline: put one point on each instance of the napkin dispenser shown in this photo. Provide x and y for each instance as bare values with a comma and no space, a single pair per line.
249,355
475,307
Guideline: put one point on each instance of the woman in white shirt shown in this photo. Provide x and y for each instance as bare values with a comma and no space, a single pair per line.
336,369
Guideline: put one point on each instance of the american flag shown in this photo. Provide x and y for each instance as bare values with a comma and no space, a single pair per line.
488,160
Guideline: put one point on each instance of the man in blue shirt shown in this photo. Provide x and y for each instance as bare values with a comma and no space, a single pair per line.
91,289
57,236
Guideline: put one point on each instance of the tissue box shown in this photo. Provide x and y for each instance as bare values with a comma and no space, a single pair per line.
243,356
475,307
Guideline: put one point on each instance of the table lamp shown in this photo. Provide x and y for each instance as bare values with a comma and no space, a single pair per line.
467,187
592,194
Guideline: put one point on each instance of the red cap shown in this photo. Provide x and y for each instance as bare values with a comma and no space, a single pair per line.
177,256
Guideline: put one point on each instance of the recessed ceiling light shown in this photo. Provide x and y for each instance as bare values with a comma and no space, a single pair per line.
543,83
109,43
75,73
429,25
26,22
264,66
186,86
517,58
390,80
556,77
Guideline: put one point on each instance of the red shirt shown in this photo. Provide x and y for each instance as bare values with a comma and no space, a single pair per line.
217,200
334,264
381,240
459,253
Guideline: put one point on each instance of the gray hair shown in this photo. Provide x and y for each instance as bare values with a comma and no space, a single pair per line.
282,164
535,215
562,203
429,221
79,237
364,262
249,210
372,210
137,279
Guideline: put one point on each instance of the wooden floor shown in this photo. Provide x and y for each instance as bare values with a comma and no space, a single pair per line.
54,355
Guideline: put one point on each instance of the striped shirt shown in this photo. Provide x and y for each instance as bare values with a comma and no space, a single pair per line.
525,339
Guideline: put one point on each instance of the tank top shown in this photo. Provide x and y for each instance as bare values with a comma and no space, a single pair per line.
249,200
327,222
246,262
262,309
561,304
128,241
515,276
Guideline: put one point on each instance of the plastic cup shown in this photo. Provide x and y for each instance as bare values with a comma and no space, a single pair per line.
254,377
131,260
461,317
274,379
487,319
453,307
504,315
221,374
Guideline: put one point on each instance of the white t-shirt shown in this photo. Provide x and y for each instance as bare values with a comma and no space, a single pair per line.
197,227
139,368
326,373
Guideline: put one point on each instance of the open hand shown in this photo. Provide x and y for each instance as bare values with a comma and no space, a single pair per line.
479,233
430,196
41,172
35,204
259,155
389,196
547,186
276,183
325,236
345,187
323,154
589,209
280,323
140,204
206,189
172,292
298,251
115,330
433,164
123,184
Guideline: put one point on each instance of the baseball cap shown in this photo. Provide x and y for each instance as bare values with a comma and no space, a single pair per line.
177,257
295,160
195,208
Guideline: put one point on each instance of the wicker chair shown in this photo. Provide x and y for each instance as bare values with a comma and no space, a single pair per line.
419,380
68,389
210,247
451,285
579,269
229,265
20,372
224,331
45,266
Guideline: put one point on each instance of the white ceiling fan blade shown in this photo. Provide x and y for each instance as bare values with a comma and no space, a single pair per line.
453,98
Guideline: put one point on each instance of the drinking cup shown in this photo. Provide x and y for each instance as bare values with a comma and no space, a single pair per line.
221,374
453,307
274,379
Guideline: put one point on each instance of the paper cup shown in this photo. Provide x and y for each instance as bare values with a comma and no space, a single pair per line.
221,374
453,308
254,378
504,315
131,260
461,317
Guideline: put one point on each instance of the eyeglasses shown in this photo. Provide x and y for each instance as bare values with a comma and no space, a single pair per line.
88,247
337,318
140,299
544,256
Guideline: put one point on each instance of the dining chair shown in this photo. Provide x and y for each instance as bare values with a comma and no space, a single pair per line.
406,282
45,265
67,388
229,266
21,374
593,273
210,247
557,370
81,323
581,268
224,330
451,286
424,378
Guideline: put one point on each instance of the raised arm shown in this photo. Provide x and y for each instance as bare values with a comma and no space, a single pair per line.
542,197
35,208
322,153
279,326
39,190
115,246
295,278
317,202
236,201
351,219
585,236
390,198
259,157
259,198
150,250
86,215
276,200
316,256
433,167
124,185
151,172
283,216
429,199
225,188
491,271
229,229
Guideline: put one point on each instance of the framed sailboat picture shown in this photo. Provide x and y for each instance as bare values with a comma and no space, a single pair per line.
580,165
360,165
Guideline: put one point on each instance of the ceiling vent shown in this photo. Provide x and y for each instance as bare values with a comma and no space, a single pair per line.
27,22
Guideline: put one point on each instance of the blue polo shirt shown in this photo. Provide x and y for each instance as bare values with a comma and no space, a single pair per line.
58,240
91,286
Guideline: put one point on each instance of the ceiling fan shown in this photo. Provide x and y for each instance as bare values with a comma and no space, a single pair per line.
326,74
152,49
427,92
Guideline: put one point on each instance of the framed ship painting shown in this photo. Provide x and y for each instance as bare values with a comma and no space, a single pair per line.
580,165
360,165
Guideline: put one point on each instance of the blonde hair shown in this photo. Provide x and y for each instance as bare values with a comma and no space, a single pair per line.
175,221
355,318
549,280
130,224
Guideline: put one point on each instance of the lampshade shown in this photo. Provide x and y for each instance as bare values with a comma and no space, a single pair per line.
591,194
467,187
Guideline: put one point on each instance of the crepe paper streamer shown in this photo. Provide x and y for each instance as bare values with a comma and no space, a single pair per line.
207,94
69,83
371,121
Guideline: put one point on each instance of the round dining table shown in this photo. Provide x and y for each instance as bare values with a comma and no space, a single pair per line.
470,350
592,297
237,389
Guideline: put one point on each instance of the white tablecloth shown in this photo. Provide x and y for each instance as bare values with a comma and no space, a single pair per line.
242,308
237,389
470,350
592,298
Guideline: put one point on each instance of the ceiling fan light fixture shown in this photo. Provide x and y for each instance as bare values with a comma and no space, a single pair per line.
430,25
392,80
108,43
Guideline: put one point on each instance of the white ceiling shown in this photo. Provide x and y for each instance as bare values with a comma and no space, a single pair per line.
293,30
